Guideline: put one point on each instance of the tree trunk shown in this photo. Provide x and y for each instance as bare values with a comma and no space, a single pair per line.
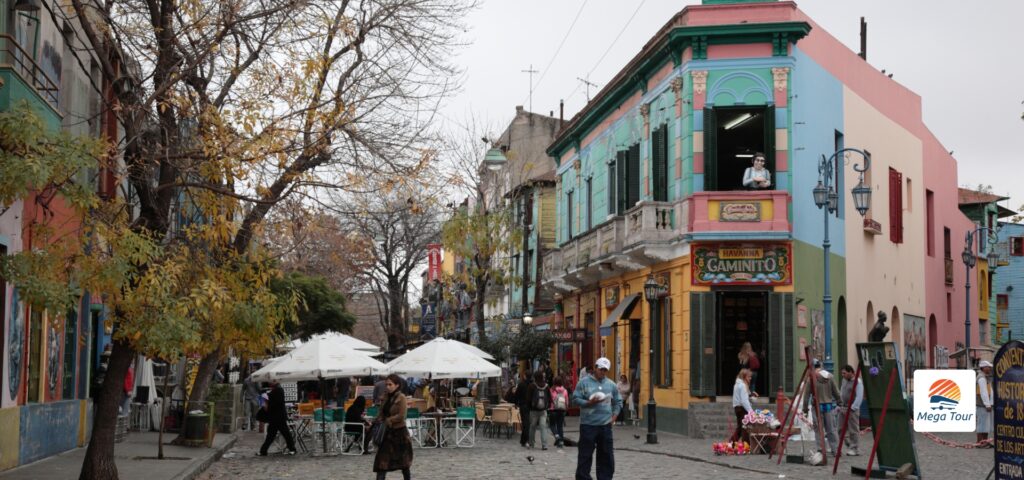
204,375
163,414
478,312
99,456
396,332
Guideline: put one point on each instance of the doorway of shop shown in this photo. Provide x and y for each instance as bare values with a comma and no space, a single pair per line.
742,317
634,353
588,343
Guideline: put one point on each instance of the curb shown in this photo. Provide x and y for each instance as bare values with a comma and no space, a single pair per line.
194,470
698,459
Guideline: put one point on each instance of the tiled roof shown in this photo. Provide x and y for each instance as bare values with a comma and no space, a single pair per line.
973,197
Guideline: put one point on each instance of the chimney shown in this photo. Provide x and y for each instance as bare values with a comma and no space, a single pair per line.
561,111
863,39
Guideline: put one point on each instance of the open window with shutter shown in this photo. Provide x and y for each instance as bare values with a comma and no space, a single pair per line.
895,206
620,180
702,344
633,176
732,135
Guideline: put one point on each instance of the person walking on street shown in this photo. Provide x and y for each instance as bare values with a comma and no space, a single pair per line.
540,402
853,424
741,404
984,401
252,399
559,405
825,388
523,402
599,401
395,451
627,401
277,420
749,360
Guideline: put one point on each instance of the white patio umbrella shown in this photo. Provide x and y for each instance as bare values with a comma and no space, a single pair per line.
319,359
442,358
348,340
474,350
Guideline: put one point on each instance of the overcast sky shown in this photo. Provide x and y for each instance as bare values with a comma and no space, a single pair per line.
963,58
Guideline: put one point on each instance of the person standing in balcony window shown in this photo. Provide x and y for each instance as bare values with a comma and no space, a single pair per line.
757,177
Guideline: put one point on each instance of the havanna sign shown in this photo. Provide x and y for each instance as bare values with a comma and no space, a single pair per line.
742,264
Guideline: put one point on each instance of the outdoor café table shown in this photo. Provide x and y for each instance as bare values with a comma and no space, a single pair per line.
761,440
300,426
442,432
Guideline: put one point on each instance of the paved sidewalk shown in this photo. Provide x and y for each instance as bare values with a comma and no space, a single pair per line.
136,459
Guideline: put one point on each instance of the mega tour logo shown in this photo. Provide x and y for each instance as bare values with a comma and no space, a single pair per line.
944,401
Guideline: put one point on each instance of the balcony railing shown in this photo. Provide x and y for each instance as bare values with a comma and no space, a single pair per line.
16,58
764,211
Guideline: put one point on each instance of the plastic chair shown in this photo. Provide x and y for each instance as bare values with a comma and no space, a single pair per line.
318,415
371,412
352,436
418,427
501,417
464,424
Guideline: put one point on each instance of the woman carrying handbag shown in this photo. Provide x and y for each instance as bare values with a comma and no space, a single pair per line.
394,448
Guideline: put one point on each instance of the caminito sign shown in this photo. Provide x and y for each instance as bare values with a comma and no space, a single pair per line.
742,264
1008,410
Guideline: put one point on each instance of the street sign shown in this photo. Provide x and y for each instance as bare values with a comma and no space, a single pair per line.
428,321
1008,409
434,261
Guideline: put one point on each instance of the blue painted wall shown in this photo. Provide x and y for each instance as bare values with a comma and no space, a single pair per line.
48,429
817,113
1011,275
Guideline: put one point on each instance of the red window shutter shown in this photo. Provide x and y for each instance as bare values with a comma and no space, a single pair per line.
899,205
894,206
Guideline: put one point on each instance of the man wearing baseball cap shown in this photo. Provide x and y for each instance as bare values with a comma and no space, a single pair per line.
599,401
984,401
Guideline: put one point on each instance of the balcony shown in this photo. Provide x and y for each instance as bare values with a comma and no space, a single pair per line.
763,214
16,59
649,233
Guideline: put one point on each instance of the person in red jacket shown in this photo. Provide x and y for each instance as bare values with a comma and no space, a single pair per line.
748,359
129,385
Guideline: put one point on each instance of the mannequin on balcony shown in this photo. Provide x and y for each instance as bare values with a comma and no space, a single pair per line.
757,177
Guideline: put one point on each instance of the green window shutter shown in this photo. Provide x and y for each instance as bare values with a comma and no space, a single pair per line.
620,179
710,150
634,177
612,186
660,163
769,141
702,344
780,341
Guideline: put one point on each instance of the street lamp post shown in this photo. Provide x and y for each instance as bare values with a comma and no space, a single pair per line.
826,198
653,291
969,261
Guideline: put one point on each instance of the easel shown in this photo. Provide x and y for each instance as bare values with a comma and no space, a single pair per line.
807,378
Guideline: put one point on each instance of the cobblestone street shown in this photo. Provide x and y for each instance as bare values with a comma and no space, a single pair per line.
674,457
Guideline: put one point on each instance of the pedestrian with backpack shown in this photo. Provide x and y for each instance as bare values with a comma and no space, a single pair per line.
559,405
540,402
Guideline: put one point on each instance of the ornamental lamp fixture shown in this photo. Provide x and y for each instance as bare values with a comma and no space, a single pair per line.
26,6
527,319
495,160
862,197
833,200
820,194
651,289
993,259
968,257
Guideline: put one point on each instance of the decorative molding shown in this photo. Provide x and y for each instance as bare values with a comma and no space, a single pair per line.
700,81
645,111
677,87
780,75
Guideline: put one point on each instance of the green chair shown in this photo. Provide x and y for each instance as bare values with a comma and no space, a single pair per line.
412,413
372,411
319,415
339,414
465,426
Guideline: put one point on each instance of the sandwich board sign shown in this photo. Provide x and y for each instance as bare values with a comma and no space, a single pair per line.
880,364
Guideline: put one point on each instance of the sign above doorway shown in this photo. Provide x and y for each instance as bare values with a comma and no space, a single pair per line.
742,264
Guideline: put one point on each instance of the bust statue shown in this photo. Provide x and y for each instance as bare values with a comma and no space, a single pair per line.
879,331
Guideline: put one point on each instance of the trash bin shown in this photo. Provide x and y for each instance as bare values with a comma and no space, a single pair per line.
196,427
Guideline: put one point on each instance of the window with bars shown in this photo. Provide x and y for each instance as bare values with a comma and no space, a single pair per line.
663,343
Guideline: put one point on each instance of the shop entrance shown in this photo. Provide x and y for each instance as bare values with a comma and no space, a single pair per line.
742,317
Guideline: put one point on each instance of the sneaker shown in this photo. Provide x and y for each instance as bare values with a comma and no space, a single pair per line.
260,454
852,453
543,448
292,452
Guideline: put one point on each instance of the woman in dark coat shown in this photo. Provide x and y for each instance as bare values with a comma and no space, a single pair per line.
354,417
395,451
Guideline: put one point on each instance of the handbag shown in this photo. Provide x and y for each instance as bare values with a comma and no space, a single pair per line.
377,431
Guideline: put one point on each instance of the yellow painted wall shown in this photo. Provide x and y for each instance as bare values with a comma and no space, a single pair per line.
83,421
10,426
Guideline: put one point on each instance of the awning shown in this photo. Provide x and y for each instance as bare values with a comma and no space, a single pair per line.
624,308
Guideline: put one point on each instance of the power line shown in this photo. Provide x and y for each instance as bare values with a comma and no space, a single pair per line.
547,68
609,49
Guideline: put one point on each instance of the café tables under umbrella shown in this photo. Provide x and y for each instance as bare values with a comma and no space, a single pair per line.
319,359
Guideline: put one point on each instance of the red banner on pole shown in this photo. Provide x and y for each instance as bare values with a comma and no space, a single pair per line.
434,259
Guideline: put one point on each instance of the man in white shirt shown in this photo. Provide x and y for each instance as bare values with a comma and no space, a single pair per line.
853,424
984,401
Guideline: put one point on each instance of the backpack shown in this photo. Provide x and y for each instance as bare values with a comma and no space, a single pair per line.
540,399
560,402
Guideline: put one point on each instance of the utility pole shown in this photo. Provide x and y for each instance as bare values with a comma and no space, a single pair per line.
587,84
531,71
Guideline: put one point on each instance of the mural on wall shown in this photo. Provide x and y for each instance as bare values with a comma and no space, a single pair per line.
914,343
818,329
16,340
53,338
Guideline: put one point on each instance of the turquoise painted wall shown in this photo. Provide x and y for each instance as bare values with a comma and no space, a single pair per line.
16,90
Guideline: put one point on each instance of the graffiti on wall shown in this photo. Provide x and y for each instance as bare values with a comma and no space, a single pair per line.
53,337
16,340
